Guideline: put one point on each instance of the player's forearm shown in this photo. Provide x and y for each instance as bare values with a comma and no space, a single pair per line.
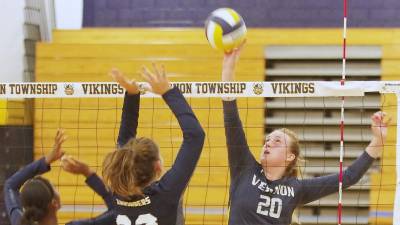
233,126
193,139
187,120
228,74
231,114
97,184
357,169
319,187
129,119
228,67
35,168
239,155
375,147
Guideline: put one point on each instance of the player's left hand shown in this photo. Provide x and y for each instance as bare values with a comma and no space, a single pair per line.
56,153
158,79
74,166
379,125
130,85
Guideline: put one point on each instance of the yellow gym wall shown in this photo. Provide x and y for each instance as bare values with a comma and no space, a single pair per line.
15,112
88,55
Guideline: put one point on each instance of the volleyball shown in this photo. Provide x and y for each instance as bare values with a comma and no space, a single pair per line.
225,29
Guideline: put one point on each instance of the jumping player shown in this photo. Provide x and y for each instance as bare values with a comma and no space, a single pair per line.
130,116
268,191
133,172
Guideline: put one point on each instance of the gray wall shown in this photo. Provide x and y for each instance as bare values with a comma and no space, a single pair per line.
16,143
257,13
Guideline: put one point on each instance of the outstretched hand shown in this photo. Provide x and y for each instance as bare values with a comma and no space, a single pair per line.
229,63
379,125
158,79
56,153
130,85
74,166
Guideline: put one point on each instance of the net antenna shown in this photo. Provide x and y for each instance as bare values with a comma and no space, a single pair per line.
342,115
396,207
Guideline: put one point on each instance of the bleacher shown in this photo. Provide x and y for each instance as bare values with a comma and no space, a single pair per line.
92,124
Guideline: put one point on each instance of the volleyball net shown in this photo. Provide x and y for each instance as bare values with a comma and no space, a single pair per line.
90,114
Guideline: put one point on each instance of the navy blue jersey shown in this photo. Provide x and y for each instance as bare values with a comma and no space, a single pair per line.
14,183
160,200
254,199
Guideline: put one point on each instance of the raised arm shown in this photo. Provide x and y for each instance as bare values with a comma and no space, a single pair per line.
129,119
313,189
127,130
77,167
239,154
130,109
316,188
97,185
176,179
14,183
193,139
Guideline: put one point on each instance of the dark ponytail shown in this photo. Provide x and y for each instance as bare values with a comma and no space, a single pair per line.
32,215
36,196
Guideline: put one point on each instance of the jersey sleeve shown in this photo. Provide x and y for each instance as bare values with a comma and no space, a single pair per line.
176,179
316,188
106,218
129,119
14,183
97,185
239,155
180,218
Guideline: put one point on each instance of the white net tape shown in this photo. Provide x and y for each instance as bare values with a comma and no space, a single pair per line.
202,89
